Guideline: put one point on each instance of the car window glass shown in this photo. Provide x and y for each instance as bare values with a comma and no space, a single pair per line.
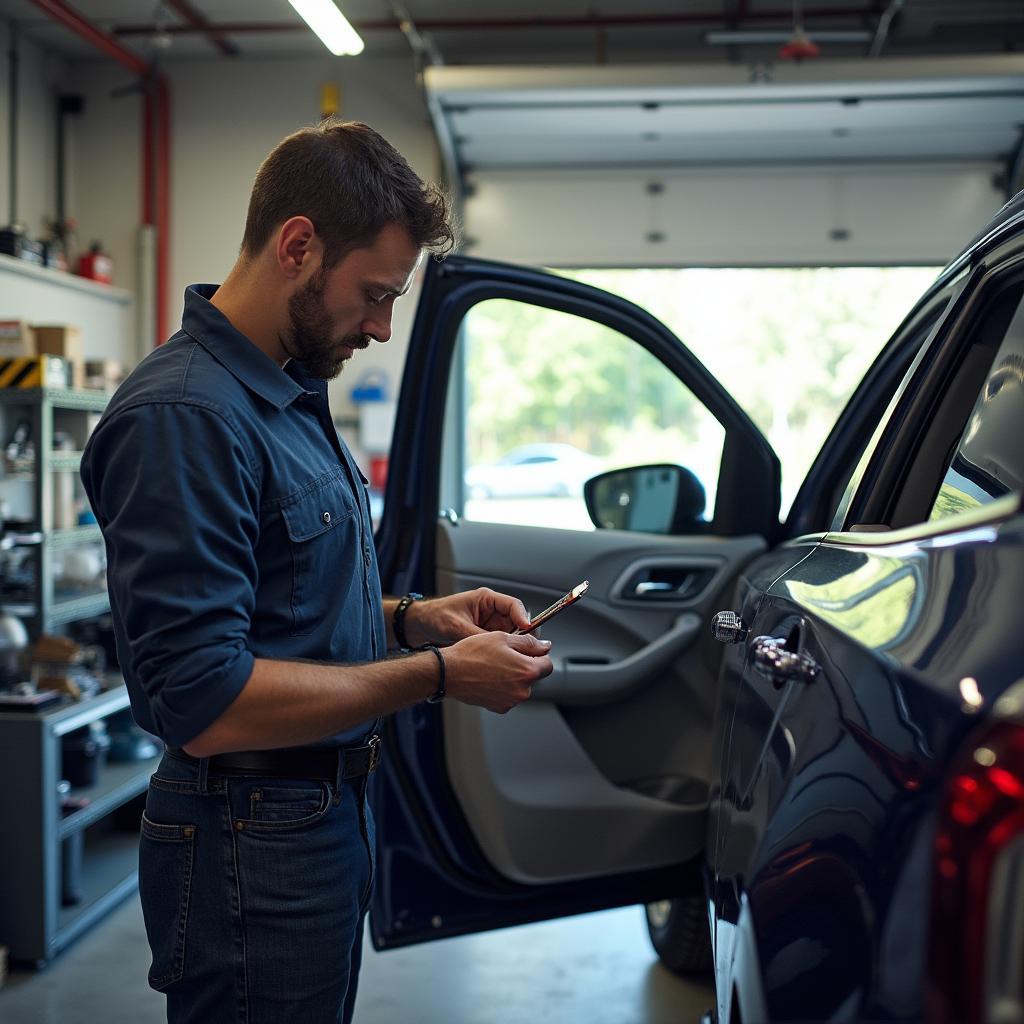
846,454
789,344
989,459
541,401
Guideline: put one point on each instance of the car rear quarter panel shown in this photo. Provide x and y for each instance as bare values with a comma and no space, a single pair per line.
829,789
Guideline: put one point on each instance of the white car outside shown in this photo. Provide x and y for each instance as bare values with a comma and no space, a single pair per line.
534,470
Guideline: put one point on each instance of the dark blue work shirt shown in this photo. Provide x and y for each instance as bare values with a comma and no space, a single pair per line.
236,523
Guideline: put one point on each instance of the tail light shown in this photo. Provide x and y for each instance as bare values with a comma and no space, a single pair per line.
976,962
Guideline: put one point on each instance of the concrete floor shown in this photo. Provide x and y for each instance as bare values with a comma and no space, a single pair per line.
597,968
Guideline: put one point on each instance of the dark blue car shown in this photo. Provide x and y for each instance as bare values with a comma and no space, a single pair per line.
822,787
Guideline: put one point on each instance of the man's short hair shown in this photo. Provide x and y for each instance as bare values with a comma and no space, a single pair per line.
350,182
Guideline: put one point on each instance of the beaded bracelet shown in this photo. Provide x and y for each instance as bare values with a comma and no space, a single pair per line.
438,695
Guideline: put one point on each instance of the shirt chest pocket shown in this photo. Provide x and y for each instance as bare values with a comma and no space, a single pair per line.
322,524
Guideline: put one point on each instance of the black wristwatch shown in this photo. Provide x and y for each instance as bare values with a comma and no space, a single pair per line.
398,619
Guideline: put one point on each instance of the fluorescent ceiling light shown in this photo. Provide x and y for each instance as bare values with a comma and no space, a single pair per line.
741,37
333,28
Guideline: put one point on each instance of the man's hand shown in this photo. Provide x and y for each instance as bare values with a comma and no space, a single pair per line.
449,619
496,670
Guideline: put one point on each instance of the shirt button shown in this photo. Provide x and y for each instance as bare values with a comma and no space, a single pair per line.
326,517
366,557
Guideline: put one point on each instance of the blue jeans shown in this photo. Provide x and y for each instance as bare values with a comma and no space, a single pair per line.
254,892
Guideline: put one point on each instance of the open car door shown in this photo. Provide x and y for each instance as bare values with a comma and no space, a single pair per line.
593,794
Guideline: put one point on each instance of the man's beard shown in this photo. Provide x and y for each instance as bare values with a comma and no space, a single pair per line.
310,339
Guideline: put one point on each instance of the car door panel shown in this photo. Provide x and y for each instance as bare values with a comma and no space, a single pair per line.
593,793
610,735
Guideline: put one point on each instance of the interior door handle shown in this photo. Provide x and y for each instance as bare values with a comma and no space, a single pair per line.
653,586
656,582
771,658
600,684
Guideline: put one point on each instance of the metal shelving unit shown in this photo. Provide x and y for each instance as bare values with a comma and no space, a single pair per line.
33,923
42,407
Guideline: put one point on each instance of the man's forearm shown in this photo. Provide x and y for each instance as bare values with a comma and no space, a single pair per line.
414,630
289,704
390,604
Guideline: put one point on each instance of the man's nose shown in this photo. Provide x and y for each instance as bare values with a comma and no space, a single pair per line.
379,328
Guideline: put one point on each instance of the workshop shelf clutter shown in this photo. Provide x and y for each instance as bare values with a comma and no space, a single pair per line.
73,766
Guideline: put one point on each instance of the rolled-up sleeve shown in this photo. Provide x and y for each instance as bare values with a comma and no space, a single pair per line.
177,498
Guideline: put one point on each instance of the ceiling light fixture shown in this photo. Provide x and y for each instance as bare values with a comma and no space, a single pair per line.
333,28
800,45
741,37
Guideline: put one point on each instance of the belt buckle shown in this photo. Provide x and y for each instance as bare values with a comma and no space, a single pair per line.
375,746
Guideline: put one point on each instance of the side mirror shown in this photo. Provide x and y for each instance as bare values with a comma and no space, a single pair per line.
647,499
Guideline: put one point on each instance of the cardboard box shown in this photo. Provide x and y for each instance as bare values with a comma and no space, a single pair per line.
64,341
16,339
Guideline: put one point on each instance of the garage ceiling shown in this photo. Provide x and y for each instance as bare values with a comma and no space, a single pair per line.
537,31
839,112
620,83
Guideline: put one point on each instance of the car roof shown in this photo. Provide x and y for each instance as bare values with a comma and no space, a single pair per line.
1008,220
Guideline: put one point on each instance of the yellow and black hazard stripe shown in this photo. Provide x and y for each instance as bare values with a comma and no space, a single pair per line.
23,372
33,371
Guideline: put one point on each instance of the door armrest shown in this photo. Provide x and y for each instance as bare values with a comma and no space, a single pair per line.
587,683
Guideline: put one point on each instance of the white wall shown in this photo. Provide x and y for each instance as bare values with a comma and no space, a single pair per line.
105,159
753,217
35,294
39,78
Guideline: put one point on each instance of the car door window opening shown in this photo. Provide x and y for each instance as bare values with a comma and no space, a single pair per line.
543,401
971,360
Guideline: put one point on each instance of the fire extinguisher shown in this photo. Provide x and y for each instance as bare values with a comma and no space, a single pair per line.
96,265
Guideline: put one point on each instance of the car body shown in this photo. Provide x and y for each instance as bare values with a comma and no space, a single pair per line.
835,797
533,470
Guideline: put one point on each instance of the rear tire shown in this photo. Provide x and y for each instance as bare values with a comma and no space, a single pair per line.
680,935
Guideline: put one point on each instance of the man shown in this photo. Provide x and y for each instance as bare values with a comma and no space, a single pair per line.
246,602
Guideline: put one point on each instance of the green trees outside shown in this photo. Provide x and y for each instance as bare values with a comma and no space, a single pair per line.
790,345
539,375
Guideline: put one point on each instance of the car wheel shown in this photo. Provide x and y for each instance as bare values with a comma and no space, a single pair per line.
679,933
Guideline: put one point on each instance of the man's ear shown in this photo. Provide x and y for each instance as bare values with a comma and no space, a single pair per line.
298,247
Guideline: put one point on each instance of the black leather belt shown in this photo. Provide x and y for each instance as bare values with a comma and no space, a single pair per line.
295,762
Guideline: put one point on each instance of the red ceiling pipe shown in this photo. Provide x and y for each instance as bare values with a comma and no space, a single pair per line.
70,18
200,21
156,149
